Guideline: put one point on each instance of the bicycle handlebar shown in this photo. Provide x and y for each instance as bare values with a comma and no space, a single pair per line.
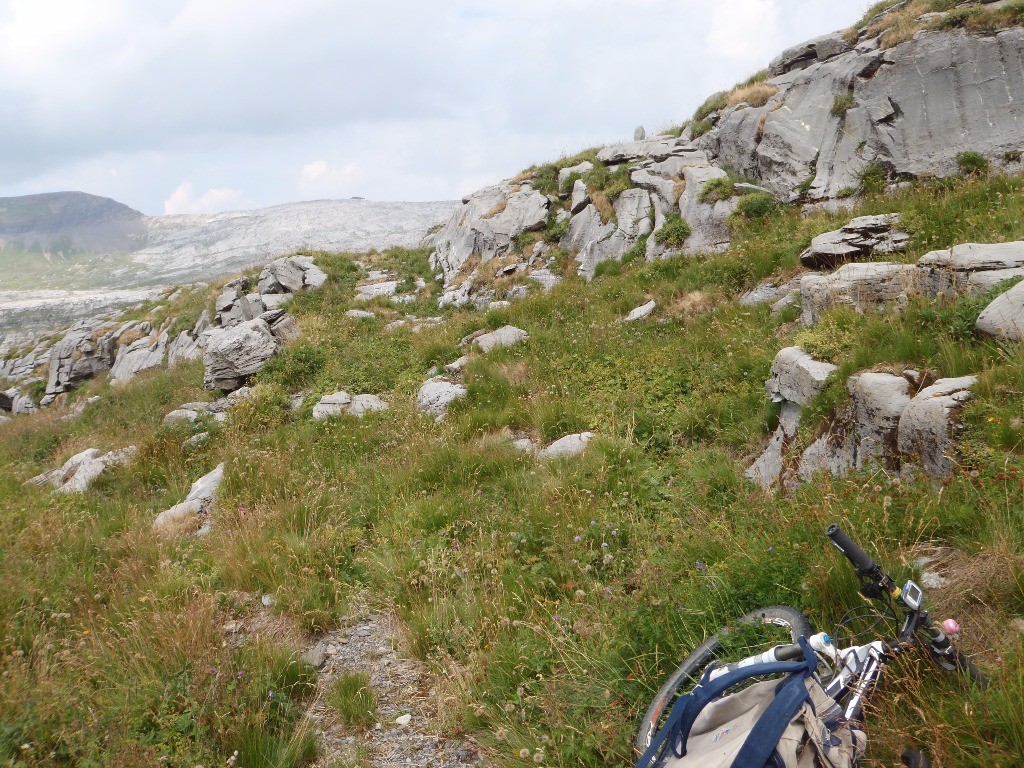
860,559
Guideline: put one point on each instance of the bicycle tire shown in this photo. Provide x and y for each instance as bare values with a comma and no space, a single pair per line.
691,667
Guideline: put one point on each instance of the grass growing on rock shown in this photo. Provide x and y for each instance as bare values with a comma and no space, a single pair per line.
550,597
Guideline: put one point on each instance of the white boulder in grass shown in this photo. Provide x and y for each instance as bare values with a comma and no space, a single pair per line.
437,394
506,336
567,447
194,510
1003,319
342,402
642,312
82,469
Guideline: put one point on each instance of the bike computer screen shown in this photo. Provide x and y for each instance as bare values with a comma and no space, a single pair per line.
912,595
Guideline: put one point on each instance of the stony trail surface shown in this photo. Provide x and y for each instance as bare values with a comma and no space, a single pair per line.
403,687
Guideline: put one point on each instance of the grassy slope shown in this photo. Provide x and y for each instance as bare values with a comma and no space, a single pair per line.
110,642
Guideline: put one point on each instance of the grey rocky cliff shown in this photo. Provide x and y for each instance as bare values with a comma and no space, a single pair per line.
915,108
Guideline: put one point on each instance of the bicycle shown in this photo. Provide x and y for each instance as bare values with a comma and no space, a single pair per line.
851,673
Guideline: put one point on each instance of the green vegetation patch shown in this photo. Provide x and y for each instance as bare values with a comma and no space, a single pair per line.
674,231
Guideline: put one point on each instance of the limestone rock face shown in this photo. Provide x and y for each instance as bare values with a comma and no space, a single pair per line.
797,377
141,355
856,241
971,267
437,394
927,428
487,225
193,514
887,422
861,286
915,107
709,221
574,170
1003,319
85,351
878,401
235,354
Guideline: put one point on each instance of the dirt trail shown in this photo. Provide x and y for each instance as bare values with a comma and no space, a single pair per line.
403,687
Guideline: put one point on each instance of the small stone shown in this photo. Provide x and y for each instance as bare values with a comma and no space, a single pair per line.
403,720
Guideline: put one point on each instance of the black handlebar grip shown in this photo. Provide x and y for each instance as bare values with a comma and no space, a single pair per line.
861,559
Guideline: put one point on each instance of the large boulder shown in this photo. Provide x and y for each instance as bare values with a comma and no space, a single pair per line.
487,225
141,355
1003,319
856,241
437,394
233,355
82,469
292,274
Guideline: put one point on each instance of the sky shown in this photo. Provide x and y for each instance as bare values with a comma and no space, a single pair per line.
202,106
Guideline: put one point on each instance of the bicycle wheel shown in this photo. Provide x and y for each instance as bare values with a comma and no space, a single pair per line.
751,633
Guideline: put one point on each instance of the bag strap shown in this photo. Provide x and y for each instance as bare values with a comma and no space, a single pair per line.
674,734
790,696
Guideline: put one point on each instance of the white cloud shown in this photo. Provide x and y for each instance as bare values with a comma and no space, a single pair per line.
320,177
183,200
398,99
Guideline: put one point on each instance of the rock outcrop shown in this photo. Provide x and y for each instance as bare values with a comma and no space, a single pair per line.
856,241
892,420
233,355
567,447
506,336
910,109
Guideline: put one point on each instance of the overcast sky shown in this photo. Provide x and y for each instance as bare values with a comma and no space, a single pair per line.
188,106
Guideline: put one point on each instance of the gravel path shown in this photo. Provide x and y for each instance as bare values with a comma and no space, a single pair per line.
403,687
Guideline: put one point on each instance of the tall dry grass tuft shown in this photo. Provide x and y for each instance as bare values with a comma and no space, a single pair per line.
755,95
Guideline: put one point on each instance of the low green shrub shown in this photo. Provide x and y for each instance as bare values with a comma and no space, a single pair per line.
841,105
674,232
874,178
714,103
972,163
717,190
700,127
757,205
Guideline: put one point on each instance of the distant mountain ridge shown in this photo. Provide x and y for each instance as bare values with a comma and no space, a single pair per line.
70,222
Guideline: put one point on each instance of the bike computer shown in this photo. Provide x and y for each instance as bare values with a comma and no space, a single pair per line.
913,595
